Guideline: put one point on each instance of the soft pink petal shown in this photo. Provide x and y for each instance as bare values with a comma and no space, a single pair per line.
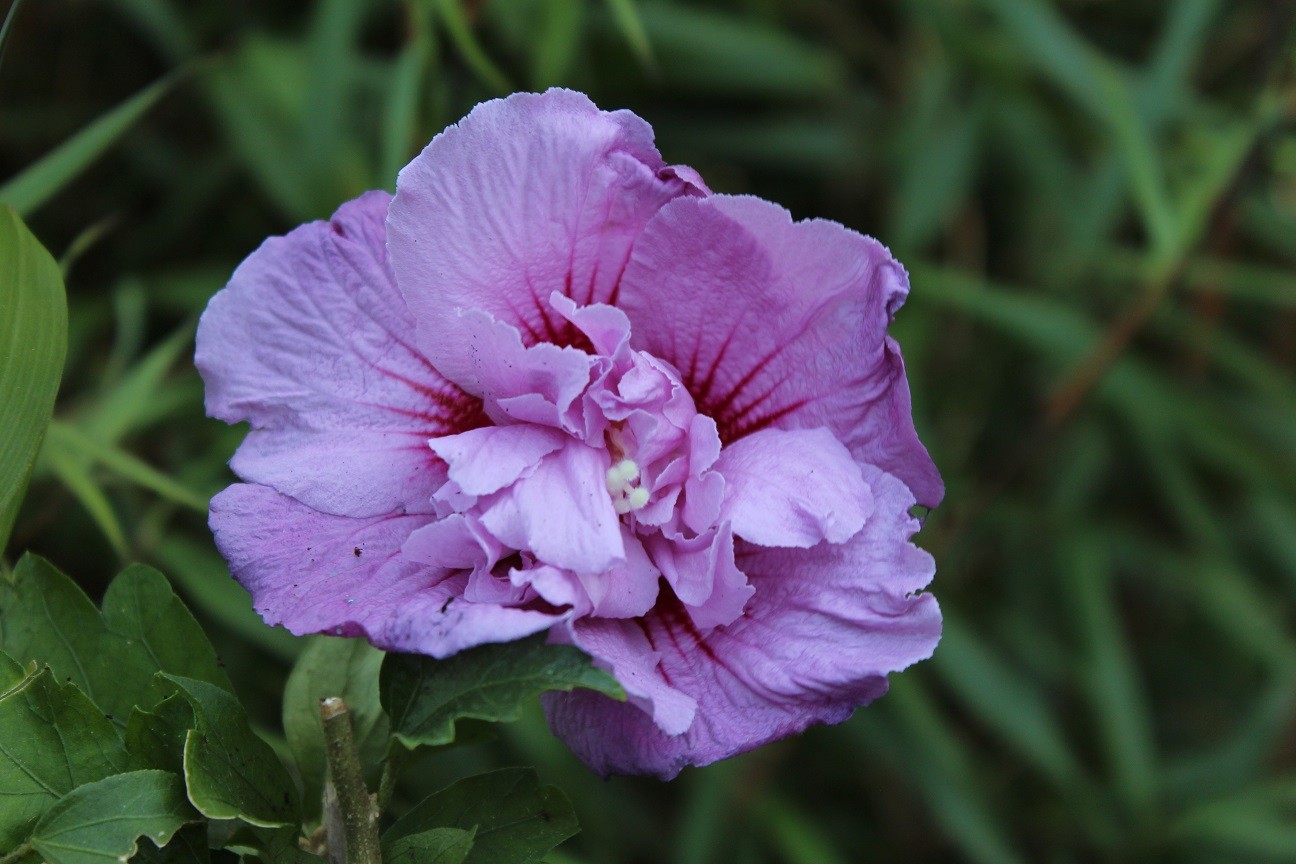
536,384
704,576
824,629
623,648
316,573
312,343
792,488
779,324
486,460
456,542
628,588
525,196
561,512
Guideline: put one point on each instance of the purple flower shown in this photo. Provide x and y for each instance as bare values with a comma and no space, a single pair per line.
554,384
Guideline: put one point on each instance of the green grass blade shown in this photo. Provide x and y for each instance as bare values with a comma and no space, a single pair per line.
39,182
465,42
33,333
74,474
631,25
404,98
119,410
1109,677
10,17
126,466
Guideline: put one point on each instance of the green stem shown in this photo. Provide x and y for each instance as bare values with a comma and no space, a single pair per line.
359,826
17,854
396,756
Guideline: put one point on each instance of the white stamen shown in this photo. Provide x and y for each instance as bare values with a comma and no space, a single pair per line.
637,498
621,506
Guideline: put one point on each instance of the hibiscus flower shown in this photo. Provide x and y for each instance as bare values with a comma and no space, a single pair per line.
555,384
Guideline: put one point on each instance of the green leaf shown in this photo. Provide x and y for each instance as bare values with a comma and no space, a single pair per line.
187,846
40,182
33,331
156,738
516,819
229,771
333,667
144,628
52,740
140,607
102,821
424,697
438,846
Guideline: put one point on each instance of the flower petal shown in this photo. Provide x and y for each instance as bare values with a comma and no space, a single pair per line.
518,384
779,324
819,637
792,487
561,512
316,573
623,647
312,343
525,196
486,460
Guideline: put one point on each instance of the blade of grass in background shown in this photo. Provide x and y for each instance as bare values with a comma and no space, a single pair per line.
33,331
38,183
627,18
465,42
9,18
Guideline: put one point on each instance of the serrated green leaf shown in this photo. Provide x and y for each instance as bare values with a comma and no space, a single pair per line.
52,740
33,343
516,819
140,607
438,846
230,772
156,738
102,821
144,628
424,697
333,667
40,182
187,846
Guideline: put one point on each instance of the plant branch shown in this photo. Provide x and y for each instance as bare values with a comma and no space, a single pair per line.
359,828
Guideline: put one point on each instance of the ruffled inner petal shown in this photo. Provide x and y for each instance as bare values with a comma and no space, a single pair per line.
792,488
776,324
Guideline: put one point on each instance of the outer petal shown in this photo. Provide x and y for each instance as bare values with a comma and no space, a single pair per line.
825,627
315,573
779,324
792,488
525,196
312,343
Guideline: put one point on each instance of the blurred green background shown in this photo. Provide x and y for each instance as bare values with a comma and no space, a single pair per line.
1097,203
